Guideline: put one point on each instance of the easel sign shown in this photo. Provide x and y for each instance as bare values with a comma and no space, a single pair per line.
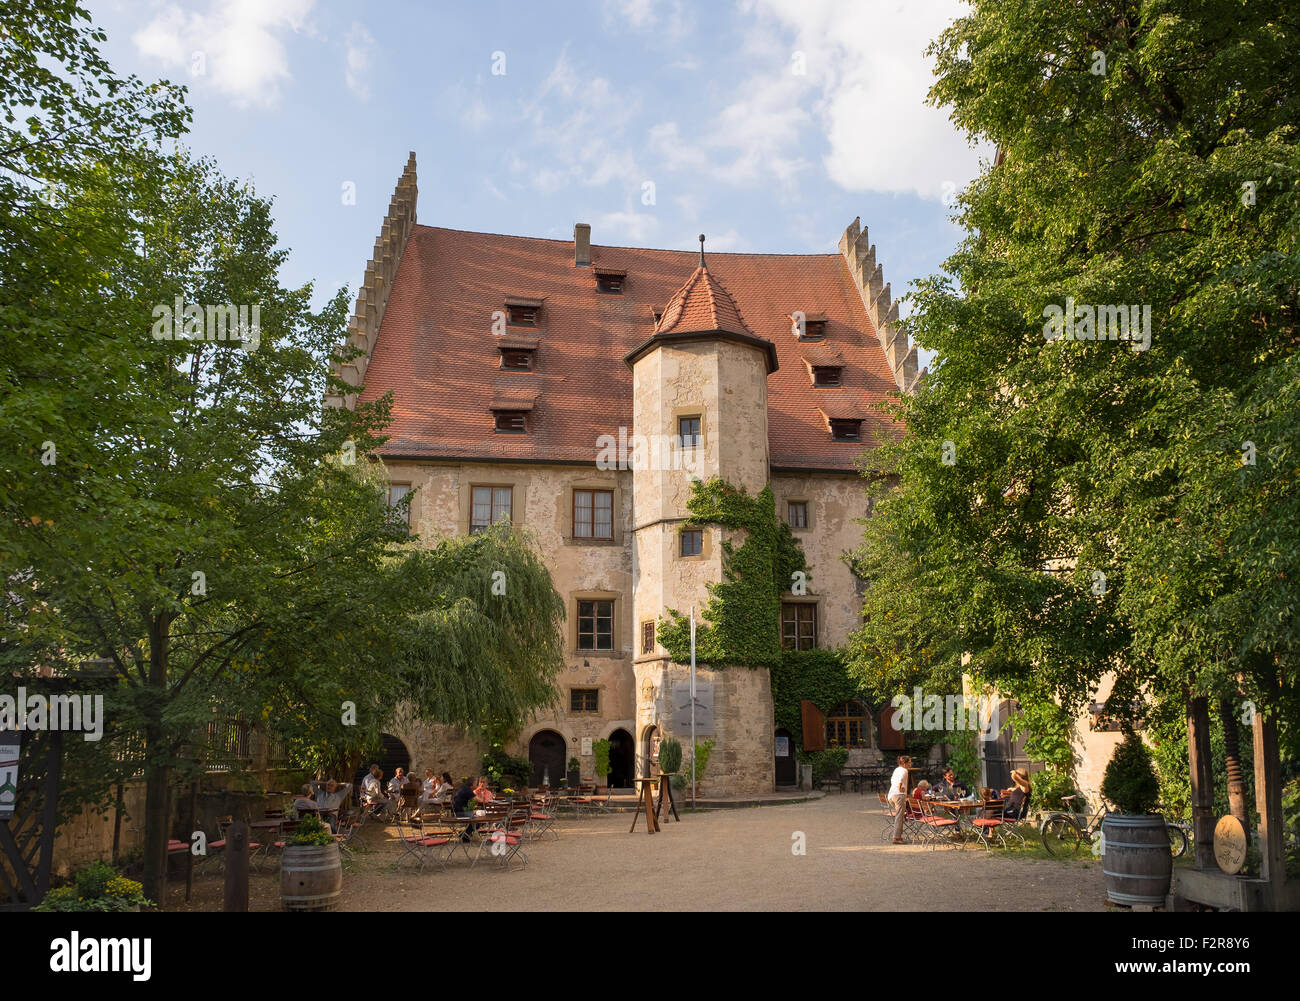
10,741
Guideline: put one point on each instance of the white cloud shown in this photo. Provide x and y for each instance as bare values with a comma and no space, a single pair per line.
868,65
236,44
360,45
633,227
669,20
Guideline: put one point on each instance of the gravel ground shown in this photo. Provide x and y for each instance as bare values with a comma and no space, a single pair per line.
737,859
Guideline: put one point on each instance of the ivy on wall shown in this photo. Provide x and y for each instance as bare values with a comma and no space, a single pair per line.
820,676
742,619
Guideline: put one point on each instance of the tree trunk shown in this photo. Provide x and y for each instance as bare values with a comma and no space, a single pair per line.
1232,762
157,812
1201,774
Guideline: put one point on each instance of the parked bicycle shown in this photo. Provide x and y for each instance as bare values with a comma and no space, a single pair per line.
1064,831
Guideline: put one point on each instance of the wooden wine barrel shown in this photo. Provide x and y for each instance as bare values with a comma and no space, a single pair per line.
1137,862
311,878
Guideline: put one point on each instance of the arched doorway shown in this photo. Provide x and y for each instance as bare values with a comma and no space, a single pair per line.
392,754
621,759
1006,751
785,764
547,753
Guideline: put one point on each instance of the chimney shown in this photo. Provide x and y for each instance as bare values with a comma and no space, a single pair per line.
581,245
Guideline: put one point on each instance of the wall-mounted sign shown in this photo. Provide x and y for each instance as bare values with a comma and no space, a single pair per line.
9,744
703,709
1230,844
783,747
586,745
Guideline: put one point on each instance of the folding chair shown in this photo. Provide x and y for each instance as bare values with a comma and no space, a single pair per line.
912,822
939,827
541,816
506,840
349,824
990,823
599,804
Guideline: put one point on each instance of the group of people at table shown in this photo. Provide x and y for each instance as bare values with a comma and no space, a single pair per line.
384,799
1014,801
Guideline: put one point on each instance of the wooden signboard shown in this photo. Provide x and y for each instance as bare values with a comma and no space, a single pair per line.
1230,844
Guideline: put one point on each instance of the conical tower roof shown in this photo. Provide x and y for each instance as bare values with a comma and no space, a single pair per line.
702,304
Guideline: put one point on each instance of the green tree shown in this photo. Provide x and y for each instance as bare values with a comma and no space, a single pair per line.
1110,509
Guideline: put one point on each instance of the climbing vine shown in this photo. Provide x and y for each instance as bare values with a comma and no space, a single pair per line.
742,619
820,676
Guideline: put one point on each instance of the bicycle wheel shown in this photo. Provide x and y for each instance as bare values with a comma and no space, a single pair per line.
1177,841
1060,836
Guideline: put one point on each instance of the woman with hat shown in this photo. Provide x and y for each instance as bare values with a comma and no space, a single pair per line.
1017,797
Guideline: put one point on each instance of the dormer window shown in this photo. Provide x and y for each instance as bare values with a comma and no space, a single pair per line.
844,429
826,376
808,326
521,316
517,359
658,315
511,421
610,282
523,312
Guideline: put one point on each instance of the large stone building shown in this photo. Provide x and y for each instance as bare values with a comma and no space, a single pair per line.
576,389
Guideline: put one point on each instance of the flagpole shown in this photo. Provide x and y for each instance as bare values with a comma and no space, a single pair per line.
692,707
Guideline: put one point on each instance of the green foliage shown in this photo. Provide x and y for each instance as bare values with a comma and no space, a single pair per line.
703,748
311,830
1049,786
498,764
600,748
97,887
575,765
826,762
963,756
670,755
819,676
742,619
1080,457
1130,781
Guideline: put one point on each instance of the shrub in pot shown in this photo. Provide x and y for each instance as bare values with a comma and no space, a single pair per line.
575,773
311,872
670,756
600,749
1137,862
97,887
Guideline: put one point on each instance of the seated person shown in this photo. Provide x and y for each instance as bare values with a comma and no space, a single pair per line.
372,792
427,788
1017,797
329,797
460,805
481,791
303,802
950,788
396,783
922,790
443,789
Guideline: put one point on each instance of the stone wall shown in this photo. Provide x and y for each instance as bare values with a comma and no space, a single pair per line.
743,760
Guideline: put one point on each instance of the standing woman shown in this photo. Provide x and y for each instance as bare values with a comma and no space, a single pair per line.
898,796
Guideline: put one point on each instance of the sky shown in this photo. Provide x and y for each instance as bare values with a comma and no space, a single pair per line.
768,125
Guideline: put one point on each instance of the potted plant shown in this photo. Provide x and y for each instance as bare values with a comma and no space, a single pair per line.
600,749
97,887
1138,865
311,872
575,773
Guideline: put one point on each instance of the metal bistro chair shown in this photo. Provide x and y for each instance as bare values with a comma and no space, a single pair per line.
990,823
912,823
940,827
542,817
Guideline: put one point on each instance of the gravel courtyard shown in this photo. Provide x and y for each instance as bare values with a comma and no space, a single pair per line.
735,859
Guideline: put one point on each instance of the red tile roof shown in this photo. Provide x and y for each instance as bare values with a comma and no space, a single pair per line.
437,354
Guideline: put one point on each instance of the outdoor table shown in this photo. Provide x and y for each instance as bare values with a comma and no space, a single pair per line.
961,806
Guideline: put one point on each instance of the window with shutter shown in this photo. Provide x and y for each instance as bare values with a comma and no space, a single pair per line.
814,726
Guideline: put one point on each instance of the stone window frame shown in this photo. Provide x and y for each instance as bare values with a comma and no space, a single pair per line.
573,513
566,526
690,413
617,599
848,720
649,630
816,622
518,496
592,689
807,503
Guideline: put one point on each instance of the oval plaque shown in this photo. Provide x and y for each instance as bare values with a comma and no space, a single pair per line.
1230,844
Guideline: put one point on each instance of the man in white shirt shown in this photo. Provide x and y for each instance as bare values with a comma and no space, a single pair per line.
372,792
329,797
898,796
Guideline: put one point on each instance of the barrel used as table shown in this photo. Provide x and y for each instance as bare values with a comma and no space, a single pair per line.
1137,862
311,877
